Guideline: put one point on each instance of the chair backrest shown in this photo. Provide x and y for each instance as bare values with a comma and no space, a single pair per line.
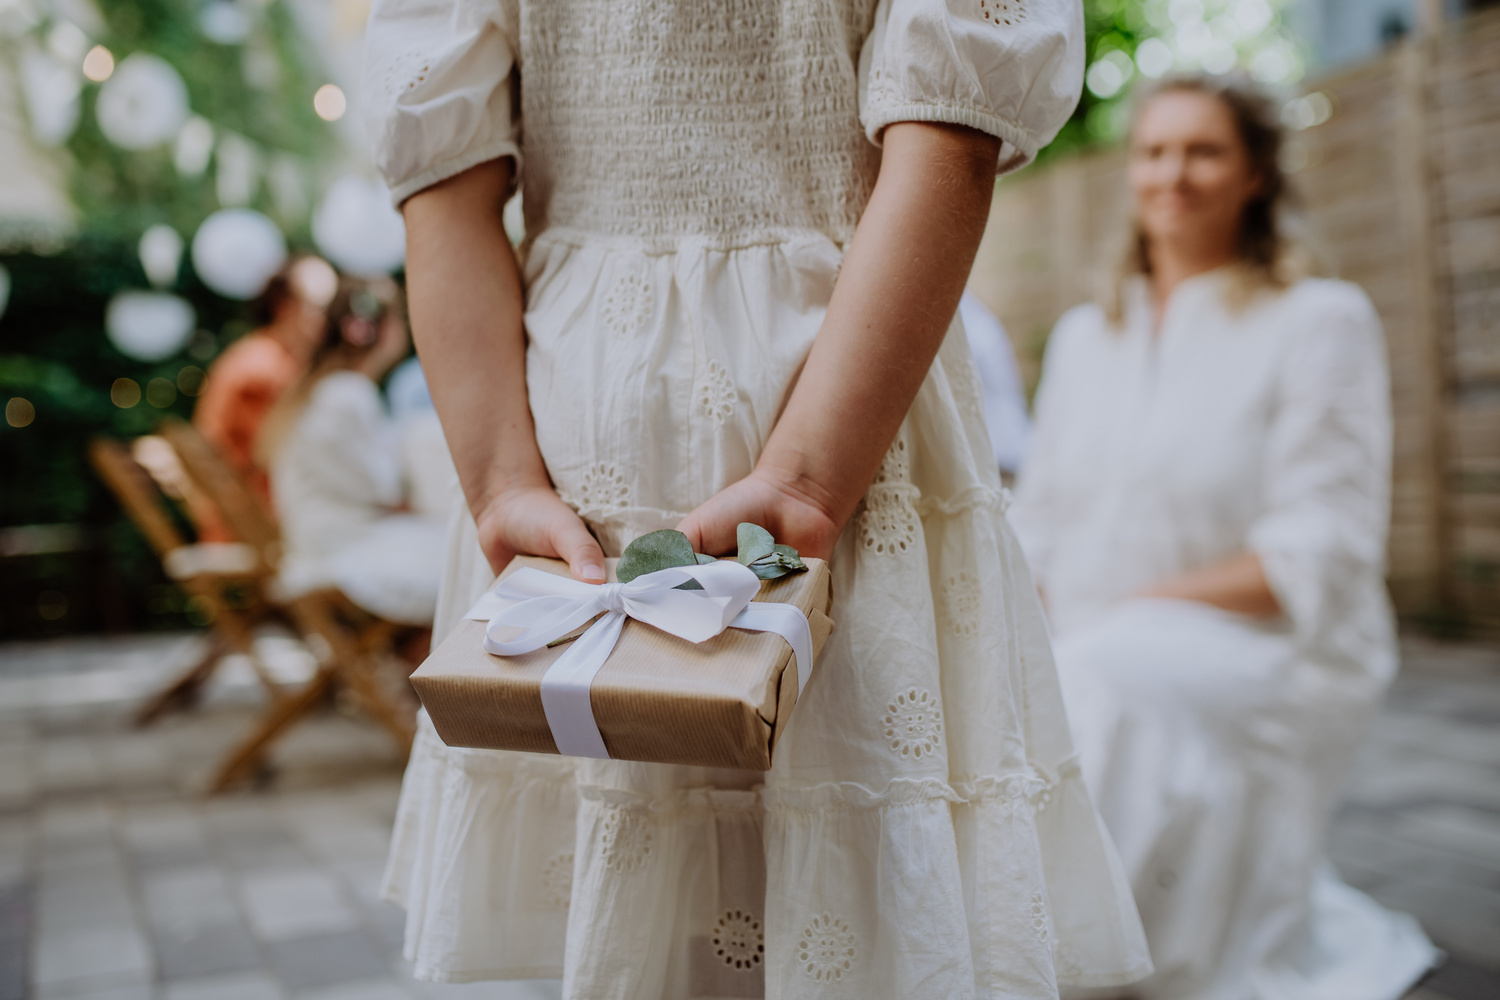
241,509
140,494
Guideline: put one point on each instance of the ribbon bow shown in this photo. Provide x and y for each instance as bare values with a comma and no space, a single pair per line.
547,607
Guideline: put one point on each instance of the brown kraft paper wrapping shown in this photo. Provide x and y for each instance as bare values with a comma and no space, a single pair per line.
658,698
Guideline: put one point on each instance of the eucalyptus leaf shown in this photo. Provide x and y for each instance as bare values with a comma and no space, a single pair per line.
704,560
754,542
654,551
791,557
769,571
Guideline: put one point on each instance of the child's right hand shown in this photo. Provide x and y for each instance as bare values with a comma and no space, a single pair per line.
533,521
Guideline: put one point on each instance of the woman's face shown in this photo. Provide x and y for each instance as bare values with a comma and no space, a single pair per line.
1189,170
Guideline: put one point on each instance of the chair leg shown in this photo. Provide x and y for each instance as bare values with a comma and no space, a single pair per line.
184,690
272,722
397,720
354,663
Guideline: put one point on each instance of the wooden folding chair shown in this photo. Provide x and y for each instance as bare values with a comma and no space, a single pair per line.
353,647
225,581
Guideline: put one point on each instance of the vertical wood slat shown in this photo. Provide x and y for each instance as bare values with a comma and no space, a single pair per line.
1401,191
1411,141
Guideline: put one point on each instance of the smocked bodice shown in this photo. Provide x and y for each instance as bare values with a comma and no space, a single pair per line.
732,121
702,118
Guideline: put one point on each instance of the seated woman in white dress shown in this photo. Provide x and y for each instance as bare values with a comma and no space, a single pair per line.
1204,507
336,473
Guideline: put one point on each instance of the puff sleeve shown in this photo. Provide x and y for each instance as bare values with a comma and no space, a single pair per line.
1322,537
439,89
1011,68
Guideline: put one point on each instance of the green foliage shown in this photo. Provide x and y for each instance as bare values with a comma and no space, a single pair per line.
1109,25
120,193
1213,35
665,549
656,550
759,551
53,350
754,542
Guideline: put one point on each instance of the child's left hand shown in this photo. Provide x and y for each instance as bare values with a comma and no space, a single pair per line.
794,518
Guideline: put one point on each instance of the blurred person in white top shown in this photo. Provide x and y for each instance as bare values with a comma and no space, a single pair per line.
1205,508
338,483
1005,414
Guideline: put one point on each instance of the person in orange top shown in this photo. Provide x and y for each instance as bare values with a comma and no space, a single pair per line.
246,380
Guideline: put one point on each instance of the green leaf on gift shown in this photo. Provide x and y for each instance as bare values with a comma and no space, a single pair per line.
754,542
766,559
657,550
776,565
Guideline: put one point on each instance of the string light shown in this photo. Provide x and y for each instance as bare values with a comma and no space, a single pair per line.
19,412
329,102
98,64
125,393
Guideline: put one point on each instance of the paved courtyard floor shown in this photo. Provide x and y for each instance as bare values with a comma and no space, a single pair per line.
120,881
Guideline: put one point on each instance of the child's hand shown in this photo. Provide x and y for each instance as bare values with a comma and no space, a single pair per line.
533,521
792,517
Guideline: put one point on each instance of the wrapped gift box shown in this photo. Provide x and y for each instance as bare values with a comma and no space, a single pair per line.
719,703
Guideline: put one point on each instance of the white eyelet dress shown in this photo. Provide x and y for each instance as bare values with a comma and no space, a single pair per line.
692,170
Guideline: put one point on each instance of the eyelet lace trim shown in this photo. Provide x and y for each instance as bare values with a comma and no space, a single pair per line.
913,724
1039,921
405,72
1007,12
557,881
717,396
626,839
739,942
895,468
961,604
602,487
888,525
627,306
826,949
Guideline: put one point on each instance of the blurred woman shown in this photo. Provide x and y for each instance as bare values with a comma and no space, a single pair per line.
336,476
1205,507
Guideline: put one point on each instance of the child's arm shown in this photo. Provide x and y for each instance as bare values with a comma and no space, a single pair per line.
464,291
895,298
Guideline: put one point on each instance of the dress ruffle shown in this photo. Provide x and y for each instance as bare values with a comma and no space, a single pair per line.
936,839
462,813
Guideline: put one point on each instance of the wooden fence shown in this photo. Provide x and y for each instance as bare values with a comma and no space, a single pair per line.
1401,194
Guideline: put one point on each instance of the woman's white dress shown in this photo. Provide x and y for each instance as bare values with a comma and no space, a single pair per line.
1214,743
334,482
692,170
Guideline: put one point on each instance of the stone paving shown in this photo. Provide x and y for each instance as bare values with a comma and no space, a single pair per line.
119,881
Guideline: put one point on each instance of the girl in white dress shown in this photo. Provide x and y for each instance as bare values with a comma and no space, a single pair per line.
733,306
1205,508
337,480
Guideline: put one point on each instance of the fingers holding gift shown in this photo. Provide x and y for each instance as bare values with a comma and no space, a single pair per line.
534,521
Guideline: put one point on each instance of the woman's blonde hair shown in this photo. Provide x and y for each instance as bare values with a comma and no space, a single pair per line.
351,330
1269,257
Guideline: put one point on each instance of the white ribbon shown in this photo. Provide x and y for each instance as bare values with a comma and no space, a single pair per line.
547,607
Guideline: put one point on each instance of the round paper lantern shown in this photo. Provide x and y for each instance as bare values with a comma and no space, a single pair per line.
161,255
51,92
225,22
143,104
148,326
236,251
356,228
